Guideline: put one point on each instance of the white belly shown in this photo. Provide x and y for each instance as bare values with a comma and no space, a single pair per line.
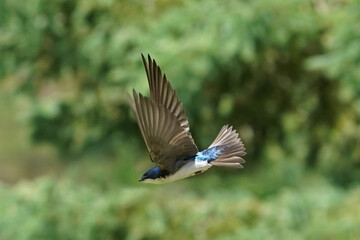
189,169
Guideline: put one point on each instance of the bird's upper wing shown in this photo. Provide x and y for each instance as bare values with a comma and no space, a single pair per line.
162,93
165,138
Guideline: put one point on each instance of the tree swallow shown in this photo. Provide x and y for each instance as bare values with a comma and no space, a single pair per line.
167,136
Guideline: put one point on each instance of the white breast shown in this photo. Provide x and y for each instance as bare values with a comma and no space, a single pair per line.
189,169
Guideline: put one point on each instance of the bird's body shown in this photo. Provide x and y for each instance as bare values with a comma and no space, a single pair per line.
166,132
190,168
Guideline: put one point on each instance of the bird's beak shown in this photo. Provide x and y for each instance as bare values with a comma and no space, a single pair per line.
142,179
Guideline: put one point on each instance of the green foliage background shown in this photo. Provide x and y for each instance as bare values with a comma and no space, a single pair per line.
285,74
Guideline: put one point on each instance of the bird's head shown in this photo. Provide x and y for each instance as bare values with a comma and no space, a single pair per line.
151,175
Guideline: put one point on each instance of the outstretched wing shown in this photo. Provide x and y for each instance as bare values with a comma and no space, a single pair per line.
167,141
162,93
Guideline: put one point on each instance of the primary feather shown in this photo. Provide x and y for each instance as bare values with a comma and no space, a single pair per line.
165,139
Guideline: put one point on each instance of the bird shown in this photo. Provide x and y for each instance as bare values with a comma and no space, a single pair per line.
166,132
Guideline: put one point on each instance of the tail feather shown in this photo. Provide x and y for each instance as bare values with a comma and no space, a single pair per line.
231,147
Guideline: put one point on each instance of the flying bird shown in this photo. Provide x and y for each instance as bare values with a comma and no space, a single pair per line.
165,129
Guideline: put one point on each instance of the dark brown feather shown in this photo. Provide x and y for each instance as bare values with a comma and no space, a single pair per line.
166,140
162,93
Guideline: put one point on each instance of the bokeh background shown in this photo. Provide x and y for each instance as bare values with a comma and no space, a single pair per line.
285,74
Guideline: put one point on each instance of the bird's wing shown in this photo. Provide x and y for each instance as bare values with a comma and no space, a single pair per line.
167,141
162,93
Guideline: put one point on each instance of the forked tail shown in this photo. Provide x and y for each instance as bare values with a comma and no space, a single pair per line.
229,149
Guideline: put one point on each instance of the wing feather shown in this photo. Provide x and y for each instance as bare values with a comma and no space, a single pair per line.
162,93
166,140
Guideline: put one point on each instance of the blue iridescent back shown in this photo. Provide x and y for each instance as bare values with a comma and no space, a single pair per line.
209,154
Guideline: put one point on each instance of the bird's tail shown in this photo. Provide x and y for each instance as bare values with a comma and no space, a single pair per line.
230,149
